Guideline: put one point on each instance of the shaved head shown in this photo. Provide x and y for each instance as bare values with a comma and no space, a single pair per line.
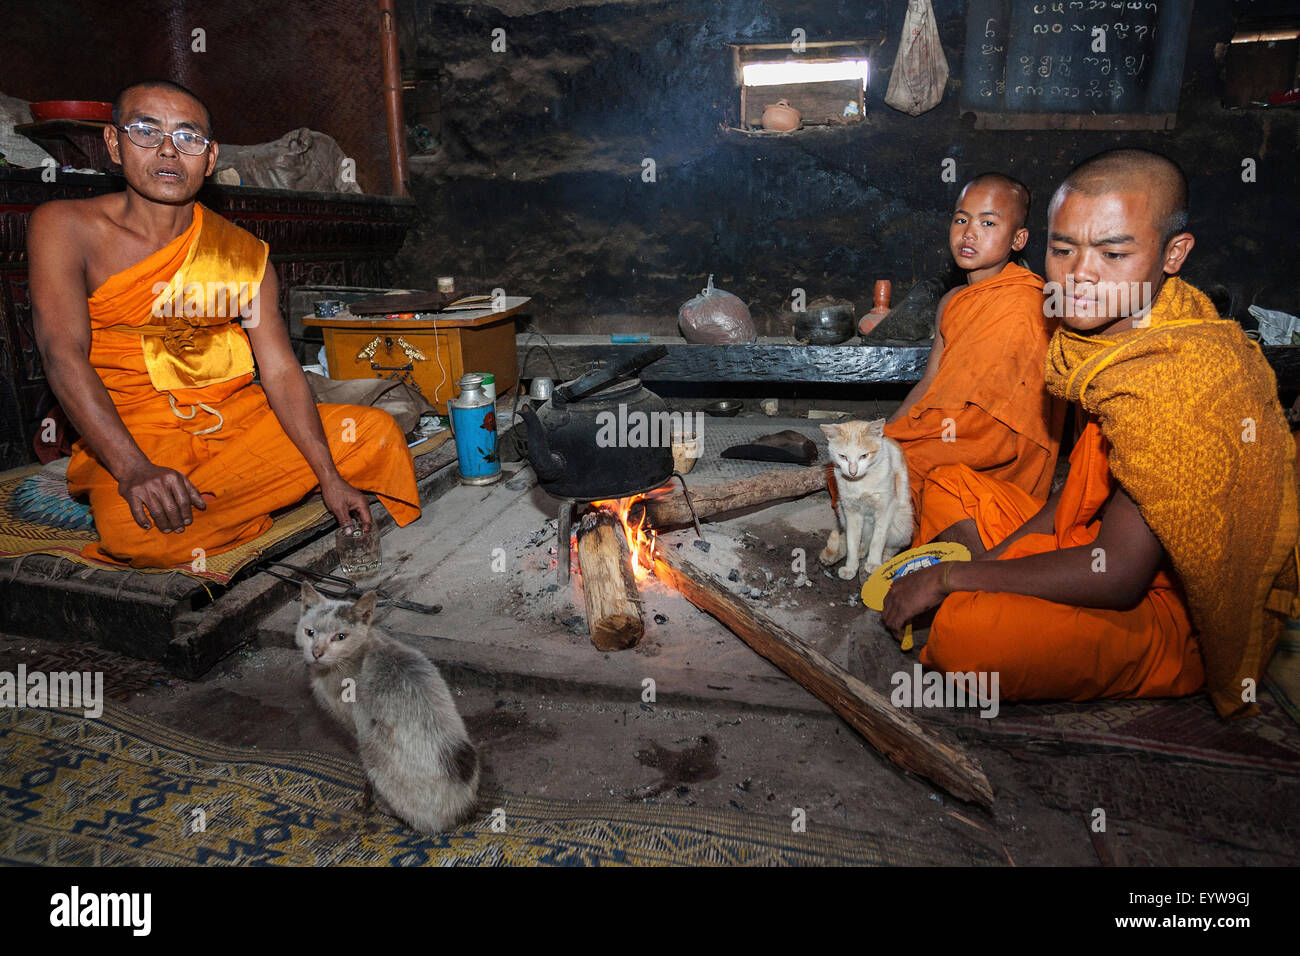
119,104
1135,170
1020,213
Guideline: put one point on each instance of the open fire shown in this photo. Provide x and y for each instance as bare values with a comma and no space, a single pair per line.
640,539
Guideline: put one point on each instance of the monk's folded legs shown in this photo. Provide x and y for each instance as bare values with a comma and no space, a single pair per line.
1047,651
211,532
941,438
261,463
965,532
254,471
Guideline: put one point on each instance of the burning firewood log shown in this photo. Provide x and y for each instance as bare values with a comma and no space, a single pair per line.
667,511
892,732
608,582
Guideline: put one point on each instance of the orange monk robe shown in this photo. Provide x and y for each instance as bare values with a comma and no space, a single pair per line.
184,391
1184,415
1200,443
987,407
1041,649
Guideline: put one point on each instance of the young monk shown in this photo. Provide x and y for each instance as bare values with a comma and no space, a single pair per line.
1167,561
981,400
137,300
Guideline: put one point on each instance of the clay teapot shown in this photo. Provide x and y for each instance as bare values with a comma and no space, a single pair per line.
781,117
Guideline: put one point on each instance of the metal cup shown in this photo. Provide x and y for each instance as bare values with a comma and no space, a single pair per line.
540,390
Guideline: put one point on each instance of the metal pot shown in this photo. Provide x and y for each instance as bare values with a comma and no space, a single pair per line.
825,322
599,437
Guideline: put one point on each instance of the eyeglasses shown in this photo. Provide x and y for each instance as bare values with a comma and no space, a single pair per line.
151,137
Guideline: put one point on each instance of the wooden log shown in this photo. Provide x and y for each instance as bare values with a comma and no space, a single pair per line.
608,584
887,728
669,510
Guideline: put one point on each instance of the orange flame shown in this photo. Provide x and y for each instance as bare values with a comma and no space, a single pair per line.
640,539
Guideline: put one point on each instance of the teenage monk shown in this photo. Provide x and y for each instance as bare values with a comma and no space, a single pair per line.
1167,561
982,401
137,300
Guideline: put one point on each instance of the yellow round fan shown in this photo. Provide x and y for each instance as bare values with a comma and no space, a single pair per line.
877,586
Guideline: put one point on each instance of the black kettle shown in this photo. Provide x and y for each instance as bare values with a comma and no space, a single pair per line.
599,437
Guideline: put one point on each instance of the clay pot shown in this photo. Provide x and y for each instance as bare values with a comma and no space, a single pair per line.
826,321
781,117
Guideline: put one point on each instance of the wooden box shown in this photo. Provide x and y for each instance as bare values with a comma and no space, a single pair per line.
430,350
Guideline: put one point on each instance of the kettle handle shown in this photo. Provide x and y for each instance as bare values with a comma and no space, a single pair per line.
598,378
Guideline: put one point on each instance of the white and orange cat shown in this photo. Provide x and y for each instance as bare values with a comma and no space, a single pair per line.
874,506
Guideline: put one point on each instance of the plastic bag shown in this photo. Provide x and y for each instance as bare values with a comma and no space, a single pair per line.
1275,328
301,159
715,317
400,400
17,148
920,68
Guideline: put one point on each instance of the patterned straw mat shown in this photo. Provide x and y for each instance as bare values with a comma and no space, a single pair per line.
124,790
25,534
1184,729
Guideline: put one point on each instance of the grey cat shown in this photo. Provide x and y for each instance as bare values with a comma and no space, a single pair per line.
413,743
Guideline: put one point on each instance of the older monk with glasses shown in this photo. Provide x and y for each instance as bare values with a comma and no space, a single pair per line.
151,314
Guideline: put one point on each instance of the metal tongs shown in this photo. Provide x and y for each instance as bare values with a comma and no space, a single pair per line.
349,588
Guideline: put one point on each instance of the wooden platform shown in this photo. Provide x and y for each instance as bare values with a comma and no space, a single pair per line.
171,618
775,360
767,360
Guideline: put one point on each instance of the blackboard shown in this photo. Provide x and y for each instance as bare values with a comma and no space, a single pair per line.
1028,62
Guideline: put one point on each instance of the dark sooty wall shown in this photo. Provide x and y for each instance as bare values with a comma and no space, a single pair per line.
265,68
537,186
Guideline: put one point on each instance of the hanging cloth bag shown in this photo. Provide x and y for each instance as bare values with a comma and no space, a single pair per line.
920,68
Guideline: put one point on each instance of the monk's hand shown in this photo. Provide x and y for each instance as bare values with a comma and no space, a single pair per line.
911,596
161,493
346,503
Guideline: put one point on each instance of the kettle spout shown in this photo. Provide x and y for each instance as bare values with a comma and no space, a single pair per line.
548,465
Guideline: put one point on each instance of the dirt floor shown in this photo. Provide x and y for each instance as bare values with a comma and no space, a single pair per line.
555,717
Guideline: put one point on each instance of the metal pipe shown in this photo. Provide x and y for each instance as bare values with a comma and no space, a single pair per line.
393,97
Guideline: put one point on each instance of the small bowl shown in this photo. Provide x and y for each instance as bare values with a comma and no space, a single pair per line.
686,452
728,408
